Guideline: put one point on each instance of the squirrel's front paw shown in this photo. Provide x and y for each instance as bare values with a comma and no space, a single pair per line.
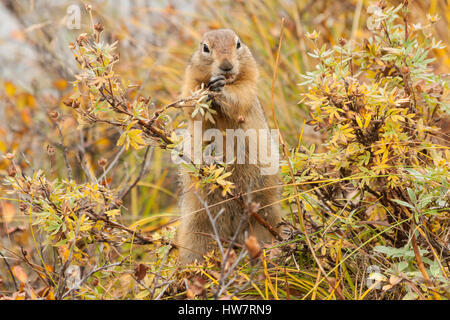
216,83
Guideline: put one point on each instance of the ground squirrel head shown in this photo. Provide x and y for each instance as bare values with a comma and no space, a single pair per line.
221,52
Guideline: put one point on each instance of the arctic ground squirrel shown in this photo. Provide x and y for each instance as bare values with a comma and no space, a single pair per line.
225,65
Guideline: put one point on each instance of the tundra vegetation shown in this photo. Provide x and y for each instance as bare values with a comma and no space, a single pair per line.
358,90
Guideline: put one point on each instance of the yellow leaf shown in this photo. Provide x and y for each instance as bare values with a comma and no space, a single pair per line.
367,120
86,227
2,147
20,296
359,122
135,138
10,89
113,213
142,294
122,140
103,142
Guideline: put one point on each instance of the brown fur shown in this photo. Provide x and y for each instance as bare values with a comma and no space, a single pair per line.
238,107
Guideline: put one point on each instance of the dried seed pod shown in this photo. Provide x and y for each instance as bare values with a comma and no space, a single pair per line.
232,257
76,104
405,69
82,38
12,170
98,27
54,115
94,282
197,287
23,206
50,150
68,102
102,162
140,271
253,247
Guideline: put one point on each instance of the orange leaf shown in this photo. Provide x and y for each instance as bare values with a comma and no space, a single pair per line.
60,84
50,295
18,35
8,211
26,117
63,252
20,274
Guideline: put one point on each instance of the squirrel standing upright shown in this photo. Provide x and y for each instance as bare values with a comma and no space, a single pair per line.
226,66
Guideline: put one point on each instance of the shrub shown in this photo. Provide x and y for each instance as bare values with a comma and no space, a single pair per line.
382,178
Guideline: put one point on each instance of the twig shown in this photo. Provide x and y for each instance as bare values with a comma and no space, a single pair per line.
158,275
213,223
64,150
112,164
265,224
81,156
144,167
227,255
10,271
95,270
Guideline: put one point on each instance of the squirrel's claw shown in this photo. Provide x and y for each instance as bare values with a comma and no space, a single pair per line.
216,83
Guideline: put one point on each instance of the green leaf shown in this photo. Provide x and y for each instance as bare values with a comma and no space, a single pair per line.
403,203
410,296
402,265
412,195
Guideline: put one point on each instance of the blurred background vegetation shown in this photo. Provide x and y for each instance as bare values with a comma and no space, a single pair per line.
156,39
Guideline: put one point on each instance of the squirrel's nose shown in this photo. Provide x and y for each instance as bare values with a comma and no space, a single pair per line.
226,66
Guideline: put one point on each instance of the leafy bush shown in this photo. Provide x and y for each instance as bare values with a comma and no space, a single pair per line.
382,179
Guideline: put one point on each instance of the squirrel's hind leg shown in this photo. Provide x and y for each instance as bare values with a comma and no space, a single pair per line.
192,240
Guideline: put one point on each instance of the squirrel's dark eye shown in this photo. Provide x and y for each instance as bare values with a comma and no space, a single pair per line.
205,48
238,44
